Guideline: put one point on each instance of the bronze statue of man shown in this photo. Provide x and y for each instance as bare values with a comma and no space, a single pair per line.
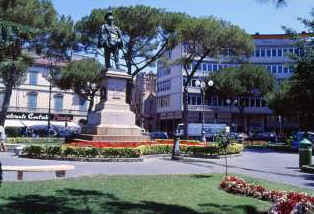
110,38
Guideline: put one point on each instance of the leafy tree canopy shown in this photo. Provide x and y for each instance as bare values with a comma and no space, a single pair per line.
84,77
147,33
244,81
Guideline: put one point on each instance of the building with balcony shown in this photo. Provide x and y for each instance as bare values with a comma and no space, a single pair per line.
29,104
271,51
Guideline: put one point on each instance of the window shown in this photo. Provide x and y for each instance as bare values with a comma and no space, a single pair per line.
193,83
285,51
58,100
193,100
274,52
286,69
269,68
257,52
199,100
274,69
220,67
279,68
32,100
215,67
33,77
279,52
1,99
262,52
204,66
290,50
297,51
268,52
209,67
83,104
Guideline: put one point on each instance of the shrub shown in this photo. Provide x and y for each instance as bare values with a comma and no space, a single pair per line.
155,149
52,151
33,151
62,151
214,149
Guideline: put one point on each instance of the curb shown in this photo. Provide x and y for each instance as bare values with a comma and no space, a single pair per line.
308,169
91,159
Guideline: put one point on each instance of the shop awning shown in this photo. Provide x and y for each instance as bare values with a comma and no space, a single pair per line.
13,123
28,123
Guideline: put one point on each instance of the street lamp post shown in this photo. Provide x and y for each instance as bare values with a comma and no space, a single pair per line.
49,99
202,84
230,103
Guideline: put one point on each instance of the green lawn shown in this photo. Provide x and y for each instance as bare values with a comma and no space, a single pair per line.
180,194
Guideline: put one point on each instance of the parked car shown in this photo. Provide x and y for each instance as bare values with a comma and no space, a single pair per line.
237,136
267,136
297,137
159,135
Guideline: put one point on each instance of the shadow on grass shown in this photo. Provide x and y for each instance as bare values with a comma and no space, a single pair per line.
201,176
230,209
79,201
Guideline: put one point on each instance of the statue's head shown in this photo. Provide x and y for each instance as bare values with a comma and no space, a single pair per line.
109,17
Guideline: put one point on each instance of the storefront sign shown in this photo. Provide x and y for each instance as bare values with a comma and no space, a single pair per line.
62,117
38,116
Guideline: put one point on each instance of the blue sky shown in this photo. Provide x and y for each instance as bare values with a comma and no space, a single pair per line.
251,15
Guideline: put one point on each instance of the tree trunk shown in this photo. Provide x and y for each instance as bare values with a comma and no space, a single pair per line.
185,111
6,104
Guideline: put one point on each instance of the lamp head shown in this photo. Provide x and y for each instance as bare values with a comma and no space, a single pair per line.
210,83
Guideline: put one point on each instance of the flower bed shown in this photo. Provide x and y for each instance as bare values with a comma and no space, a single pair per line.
284,202
95,144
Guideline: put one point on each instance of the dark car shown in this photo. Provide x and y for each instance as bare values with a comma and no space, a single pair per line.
299,136
267,136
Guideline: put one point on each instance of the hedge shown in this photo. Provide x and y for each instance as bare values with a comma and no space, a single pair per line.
214,149
40,151
57,151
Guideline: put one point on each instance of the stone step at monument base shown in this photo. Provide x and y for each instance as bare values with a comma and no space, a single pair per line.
112,130
114,138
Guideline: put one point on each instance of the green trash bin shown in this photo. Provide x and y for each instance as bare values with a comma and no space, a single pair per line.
305,152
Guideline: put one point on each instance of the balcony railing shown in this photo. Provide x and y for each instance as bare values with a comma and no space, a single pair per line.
232,109
46,110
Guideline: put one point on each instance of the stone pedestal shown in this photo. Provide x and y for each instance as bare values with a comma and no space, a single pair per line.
112,119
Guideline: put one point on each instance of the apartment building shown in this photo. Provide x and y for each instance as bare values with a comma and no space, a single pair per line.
271,51
29,104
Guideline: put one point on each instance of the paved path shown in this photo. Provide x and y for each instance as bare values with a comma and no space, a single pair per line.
273,166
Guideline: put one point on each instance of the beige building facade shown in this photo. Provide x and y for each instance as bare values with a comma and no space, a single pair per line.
29,104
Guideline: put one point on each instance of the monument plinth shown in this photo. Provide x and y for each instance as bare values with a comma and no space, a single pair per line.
112,119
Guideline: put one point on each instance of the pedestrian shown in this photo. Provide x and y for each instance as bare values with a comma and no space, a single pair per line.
2,139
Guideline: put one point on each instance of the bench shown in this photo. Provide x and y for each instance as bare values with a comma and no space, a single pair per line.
59,169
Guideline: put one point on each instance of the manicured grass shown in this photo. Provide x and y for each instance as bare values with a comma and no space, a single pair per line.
182,194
